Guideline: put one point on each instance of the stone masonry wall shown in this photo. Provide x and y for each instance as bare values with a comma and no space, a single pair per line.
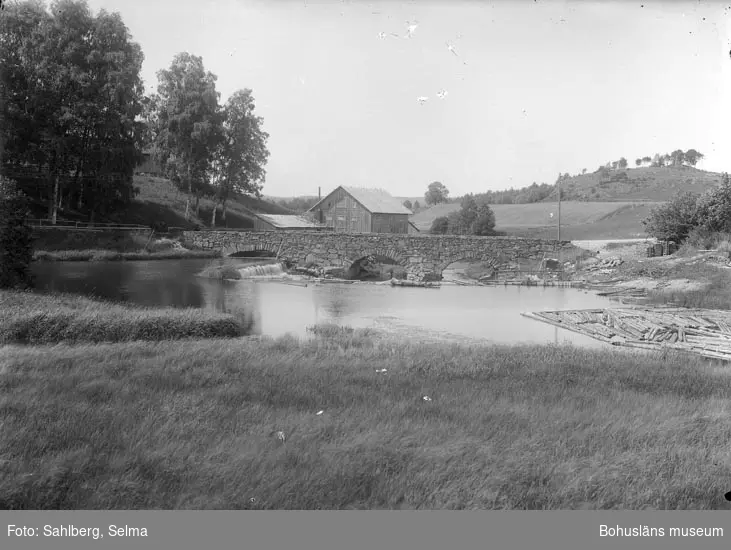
419,254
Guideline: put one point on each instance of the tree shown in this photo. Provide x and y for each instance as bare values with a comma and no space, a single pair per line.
638,162
714,208
436,193
468,212
440,226
646,160
16,238
583,171
673,220
73,94
417,206
677,157
622,163
484,223
190,122
242,153
407,204
692,157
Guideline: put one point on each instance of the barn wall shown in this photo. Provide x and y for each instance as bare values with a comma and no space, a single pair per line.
390,223
343,213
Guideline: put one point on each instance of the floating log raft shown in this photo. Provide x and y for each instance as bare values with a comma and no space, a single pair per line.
702,332
398,282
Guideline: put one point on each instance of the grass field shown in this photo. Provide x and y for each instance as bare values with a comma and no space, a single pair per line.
579,220
234,424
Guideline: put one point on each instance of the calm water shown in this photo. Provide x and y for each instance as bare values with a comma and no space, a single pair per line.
451,312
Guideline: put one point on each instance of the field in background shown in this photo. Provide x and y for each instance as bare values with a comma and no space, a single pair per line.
579,220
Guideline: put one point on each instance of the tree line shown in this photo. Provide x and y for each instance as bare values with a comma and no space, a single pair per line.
76,119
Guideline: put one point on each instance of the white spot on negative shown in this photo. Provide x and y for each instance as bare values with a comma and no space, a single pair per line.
422,99
441,94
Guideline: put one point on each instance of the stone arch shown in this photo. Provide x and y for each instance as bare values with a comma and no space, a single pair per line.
249,247
468,256
359,254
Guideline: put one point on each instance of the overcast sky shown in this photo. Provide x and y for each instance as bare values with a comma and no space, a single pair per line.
547,87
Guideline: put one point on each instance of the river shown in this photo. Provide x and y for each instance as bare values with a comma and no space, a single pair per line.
448,313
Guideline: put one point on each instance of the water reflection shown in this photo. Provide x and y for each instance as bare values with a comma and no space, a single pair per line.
274,308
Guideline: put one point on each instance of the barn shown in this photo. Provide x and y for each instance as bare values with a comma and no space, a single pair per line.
360,210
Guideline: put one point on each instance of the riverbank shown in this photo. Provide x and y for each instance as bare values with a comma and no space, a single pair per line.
29,318
111,256
357,419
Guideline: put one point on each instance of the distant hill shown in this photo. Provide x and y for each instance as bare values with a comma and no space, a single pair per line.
637,184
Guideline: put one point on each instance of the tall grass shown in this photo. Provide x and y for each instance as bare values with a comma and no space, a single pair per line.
110,255
196,425
27,318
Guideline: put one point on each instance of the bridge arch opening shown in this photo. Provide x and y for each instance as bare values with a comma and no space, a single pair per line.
377,266
467,269
251,251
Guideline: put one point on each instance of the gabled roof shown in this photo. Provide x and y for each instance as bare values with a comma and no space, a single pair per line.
282,221
376,201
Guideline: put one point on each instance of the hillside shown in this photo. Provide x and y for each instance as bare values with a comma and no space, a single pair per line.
638,184
159,200
579,220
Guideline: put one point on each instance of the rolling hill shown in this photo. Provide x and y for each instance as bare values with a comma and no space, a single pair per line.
638,184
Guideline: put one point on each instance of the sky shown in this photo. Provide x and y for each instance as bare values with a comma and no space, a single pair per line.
536,88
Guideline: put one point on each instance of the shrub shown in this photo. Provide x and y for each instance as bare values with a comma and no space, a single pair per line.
440,226
714,208
675,219
16,237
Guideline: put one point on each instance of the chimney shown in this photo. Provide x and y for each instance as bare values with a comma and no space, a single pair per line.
318,194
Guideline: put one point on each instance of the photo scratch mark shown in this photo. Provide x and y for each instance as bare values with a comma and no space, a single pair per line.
422,100
411,27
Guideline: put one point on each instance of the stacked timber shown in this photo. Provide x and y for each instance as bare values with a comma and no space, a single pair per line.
420,284
703,332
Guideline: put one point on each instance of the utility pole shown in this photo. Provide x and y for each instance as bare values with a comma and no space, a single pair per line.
558,185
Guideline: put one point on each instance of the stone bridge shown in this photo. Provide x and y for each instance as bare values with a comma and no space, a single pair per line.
419,254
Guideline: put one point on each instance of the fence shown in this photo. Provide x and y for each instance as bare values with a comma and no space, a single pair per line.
68,224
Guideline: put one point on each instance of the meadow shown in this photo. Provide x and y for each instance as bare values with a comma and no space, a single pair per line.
347,419
579,220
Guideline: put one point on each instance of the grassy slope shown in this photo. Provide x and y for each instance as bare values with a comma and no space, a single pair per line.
160,200
193,425
650,184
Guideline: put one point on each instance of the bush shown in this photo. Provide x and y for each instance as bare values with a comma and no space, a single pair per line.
440,226
675,219
714,208
16,237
